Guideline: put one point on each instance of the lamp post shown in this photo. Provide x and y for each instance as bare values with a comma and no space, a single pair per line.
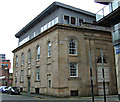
103,76
91,73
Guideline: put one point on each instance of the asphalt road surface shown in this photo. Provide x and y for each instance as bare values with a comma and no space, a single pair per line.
23,98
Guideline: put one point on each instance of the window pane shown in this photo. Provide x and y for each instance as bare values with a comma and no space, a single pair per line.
73,70
56,20
22,59
49,24
49,83
29,59
72,47
53,22
38,52
49,49
73,21
16,61
37,74
66,19
80,21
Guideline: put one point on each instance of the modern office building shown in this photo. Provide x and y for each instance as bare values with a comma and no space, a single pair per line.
52,56
5,65
110,16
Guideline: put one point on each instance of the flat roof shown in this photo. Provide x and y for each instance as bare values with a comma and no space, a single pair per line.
49,9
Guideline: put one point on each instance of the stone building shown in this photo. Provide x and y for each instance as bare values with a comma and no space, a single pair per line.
53,54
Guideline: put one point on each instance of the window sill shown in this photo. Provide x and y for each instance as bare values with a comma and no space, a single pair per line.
37,60
73,55
73,78
37,80
29,62
22,64
48,57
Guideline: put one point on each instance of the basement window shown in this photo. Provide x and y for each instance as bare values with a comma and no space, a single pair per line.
74,93
36,90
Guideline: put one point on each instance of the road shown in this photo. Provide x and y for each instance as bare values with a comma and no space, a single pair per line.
24,98
17,97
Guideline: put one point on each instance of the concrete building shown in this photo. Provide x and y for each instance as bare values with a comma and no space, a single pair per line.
5,65
52,56
110,16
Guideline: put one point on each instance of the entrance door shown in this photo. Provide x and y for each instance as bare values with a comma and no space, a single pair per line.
28,85
100,77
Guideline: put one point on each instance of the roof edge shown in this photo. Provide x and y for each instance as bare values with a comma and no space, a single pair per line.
53,5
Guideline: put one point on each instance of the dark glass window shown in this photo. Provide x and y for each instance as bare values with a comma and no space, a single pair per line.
73,21
100,60
66,19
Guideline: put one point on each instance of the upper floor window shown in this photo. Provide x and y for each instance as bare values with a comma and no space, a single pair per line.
72,47
16,61
22,58
66,19
73,20
38,52
29,56
37,74
73,69
49,49
80,22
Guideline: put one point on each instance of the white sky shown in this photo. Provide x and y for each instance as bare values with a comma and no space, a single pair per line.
15,14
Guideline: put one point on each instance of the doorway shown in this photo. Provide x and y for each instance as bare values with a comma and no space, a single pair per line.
100,76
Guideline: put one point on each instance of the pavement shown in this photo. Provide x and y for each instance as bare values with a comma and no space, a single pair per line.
109,98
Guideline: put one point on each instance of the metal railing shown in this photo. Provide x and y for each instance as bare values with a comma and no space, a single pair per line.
107,9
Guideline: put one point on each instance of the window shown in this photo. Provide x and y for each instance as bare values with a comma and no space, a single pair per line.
45,26
21,75
53,23
42,29
16,61
73,70
37,74
34,34
50,84
80,22
100,60
72,47
73,20
29,56
49,49
38,52
22,58
56,20
49,24
66,19
74,92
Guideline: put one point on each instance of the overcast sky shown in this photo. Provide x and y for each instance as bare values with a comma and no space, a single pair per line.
15,14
